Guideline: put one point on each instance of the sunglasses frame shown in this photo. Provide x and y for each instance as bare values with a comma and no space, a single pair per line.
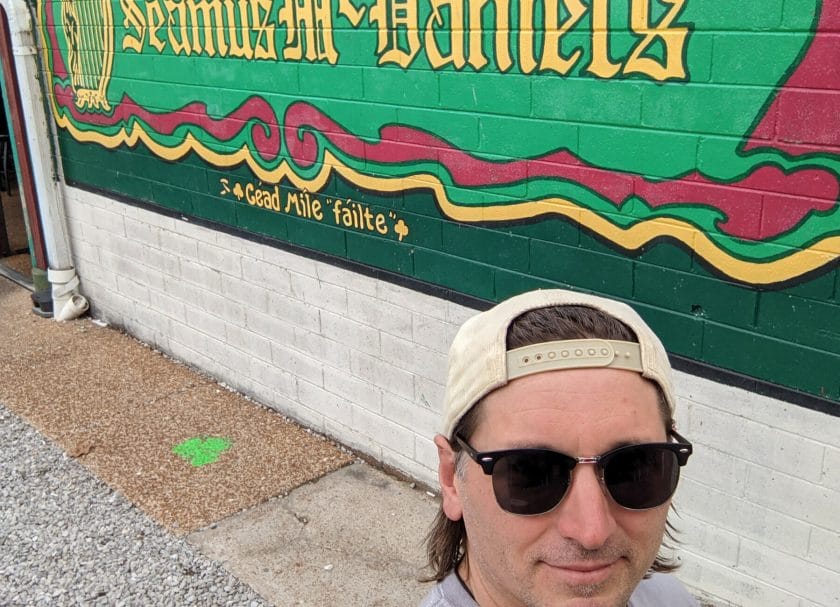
682,448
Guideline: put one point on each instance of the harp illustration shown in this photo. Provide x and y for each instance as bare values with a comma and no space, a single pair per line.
89,28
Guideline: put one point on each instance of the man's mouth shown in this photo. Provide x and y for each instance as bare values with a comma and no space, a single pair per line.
585,573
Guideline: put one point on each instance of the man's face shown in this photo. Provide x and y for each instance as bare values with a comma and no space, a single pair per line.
588,550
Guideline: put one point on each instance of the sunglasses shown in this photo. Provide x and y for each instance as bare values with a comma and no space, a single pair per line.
534,481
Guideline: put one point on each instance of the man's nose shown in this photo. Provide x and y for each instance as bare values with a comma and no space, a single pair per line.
585,514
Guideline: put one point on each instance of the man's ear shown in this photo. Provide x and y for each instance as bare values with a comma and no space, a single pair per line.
450,485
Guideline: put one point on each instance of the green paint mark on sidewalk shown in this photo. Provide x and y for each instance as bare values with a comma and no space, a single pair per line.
200,452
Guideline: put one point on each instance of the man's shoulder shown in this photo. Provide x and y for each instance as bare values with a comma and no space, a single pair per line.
661,590
450,592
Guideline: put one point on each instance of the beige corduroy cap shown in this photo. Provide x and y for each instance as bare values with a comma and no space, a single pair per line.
479,361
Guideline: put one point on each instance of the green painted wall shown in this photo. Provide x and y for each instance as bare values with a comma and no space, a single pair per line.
686,161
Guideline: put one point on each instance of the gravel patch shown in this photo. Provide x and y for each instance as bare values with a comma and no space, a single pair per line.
66,538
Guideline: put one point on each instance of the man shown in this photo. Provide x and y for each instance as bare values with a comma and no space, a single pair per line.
558,459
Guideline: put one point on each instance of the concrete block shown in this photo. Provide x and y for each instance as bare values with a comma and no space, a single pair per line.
831,469
792,496
757,443
384,433
265,275
142,231
429,393
319,347
200,275
788,573
352,281
412,300
330,406
744,517
818,427
408,355
178,244
730,587
368,310
210,325
320,294
824,548
408,414
294,312
249,294
248,341
431,333
298,364
391,379
279,382
278,332
360,393
357,336
218,258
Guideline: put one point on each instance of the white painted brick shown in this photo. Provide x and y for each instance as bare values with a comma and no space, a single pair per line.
831,471
429,393
824,549
401,297
228,358
426,454
353,438
787,417
141,231
294,312
169,306
456,314
194,231
407,355
331,406
375,313
717,469
183,291
330,352
711,541
177,244
229,310
757,443
338,276
743,516
267,276
271,328
391,379
730,587
319,294
788,573
249,294
189,337
413,469
272,378
298,364
162,222
204,277
161,261
95,273
431,333
360,393
350,333
290,261
248,341
225,261
210,325
796,498
384,433
110,222
410,415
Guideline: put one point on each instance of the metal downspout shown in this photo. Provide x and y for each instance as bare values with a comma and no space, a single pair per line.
67,302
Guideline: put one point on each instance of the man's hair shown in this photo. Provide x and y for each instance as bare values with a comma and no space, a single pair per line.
446,540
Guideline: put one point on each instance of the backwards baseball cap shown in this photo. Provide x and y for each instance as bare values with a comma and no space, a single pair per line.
479,361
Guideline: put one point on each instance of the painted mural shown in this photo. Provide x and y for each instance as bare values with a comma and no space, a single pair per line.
693,121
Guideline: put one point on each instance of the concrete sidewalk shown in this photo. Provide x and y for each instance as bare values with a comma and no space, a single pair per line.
298,518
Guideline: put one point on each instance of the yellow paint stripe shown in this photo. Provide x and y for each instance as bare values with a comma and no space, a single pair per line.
631,238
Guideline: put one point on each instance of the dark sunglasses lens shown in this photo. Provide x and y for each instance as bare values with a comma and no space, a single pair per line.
531,482
642,477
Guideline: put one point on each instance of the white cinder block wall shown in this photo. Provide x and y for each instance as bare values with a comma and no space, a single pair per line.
364,360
